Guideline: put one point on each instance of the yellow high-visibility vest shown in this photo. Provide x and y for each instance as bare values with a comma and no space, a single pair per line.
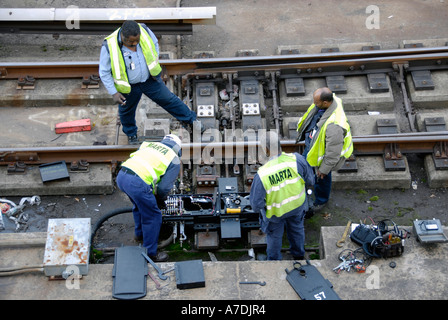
150,161
117,61
285,188
317,151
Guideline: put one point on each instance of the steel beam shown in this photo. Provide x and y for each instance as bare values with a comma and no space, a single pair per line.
422,142
305,66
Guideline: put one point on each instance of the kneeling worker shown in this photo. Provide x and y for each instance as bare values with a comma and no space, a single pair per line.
147,177
278,193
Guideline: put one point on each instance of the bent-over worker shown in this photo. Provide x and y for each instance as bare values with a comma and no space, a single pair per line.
147,177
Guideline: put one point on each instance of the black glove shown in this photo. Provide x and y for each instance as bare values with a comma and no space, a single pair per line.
161,202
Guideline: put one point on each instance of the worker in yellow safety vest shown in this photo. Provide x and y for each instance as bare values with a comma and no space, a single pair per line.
129,67
328,140
278,193
147,177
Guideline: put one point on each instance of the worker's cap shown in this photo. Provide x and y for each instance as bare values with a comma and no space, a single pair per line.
175,138
173,142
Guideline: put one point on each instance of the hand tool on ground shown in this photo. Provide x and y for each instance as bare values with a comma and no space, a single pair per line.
169,270
160,272
347,228
261,283
155,280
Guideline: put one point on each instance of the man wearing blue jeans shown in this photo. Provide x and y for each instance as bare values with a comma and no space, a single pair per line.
328,141
278,193
147,177
129,67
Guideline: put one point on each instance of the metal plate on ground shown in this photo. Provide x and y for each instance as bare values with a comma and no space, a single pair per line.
230,228
336,84
309,283
387,126
189,274
422,80
377,82
67,245
257,238
295,87
207,240
54,171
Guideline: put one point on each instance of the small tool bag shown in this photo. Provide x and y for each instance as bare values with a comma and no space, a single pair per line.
379,242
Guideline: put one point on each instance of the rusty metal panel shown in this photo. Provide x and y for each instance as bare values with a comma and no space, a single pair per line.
68,245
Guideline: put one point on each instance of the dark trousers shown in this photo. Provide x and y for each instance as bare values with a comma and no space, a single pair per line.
322,187
295,231
157,91
147,216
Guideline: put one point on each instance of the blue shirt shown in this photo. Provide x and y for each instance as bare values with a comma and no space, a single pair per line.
139,73
167,180
258,192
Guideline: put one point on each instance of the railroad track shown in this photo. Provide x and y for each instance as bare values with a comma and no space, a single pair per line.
266,71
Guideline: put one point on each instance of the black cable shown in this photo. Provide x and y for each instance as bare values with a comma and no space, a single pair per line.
104,218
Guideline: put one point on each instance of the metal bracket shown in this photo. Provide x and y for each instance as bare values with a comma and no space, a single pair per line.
206,100
440,155
26,83
422,80
17,167
393,158
230,228
377,82
350,165
329,50
336,84
91,82
79,166
294,87
250,105
435,124
387,126
206,176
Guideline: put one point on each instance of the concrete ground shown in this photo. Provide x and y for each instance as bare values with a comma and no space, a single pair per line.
260,26
418,274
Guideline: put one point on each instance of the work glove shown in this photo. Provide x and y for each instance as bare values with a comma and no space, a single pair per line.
161,202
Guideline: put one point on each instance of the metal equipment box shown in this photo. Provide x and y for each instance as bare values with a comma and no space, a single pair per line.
429,231
67,245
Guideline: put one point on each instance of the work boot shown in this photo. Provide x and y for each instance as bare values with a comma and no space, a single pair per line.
133,139
160,257
138,239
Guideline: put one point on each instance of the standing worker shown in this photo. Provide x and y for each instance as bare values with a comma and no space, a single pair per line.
278,193
129,67
147,177
328,140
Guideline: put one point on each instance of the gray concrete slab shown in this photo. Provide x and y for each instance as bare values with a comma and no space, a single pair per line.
357,98
431,99
98,180
436,178
419,275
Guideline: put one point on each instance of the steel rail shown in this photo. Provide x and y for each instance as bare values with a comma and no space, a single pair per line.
423,142
359,60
